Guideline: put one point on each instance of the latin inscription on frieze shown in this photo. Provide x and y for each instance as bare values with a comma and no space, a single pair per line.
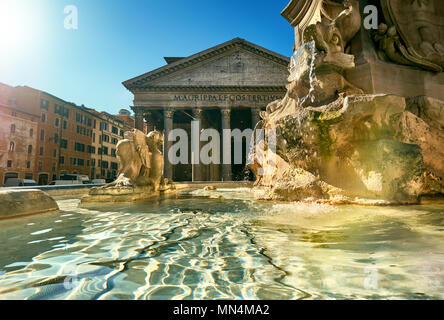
227,97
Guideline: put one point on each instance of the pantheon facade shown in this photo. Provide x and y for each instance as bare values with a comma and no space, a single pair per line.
224,87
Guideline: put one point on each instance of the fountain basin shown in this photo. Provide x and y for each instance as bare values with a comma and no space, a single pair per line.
195,246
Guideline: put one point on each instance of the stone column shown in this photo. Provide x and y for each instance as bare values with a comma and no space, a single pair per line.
226,124
168,126
255,116
197,168
138,119
149,121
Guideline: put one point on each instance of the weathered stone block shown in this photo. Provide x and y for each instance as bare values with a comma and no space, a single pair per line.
25,202
372,146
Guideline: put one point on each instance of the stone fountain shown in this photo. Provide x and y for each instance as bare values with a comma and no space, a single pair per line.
141,170
352,126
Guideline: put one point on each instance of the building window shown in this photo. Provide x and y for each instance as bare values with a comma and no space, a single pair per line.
54,153
93,162
64,124
89,122
79,147
58,109
63,143
115,130
44,104
30,149
56,138
80,162
66,113
40,166
91,149
103,126
61,160
28,164
80,118
31,132
12,128
114,140
9,164
42,134
81,130
105,138
12,146
113,152
103,150
121,133
43,117
41,151
114,165
57,121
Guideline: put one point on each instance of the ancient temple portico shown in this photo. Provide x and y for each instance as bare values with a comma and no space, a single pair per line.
224,87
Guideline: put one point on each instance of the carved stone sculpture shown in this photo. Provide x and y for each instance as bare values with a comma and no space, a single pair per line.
155,144
141,169
335,144
318,66
135,160
414,33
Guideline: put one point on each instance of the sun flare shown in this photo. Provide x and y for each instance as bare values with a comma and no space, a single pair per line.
17,28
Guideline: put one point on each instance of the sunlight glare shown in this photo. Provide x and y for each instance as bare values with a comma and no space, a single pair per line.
18,28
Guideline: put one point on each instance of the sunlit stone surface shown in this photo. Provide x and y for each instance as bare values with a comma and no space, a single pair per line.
24,202
355,139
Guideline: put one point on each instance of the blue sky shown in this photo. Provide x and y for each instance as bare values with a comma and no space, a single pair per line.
117,40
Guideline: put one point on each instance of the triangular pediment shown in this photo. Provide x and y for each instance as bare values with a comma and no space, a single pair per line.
234,63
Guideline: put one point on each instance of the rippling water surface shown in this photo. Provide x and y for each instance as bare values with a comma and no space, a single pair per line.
228,248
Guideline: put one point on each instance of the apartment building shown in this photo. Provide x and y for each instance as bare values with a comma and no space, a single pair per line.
68,138
18,139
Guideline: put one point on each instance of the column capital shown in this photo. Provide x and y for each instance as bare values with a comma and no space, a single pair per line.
148,115
197,112
225,112
137,110
138,118
168,112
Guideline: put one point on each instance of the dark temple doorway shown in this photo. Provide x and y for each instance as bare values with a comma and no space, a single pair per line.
182,119
240,119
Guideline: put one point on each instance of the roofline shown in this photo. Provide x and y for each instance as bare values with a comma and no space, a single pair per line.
72,104
187,60
211,88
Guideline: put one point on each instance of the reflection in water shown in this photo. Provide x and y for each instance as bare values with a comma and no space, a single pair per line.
228,248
